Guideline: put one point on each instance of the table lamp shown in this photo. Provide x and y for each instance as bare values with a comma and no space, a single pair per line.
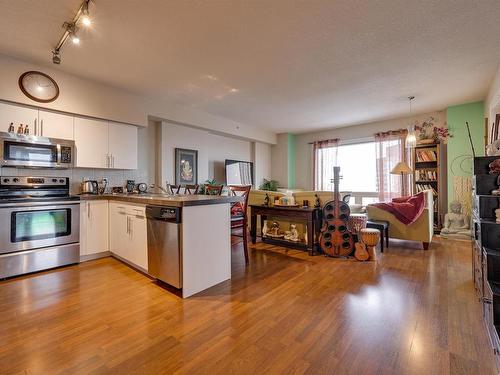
402,168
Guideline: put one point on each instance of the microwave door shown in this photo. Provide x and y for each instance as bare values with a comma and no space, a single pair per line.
29,154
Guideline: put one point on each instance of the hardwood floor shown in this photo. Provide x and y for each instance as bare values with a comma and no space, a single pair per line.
412,313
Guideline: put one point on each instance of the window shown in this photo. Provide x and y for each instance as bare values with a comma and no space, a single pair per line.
357,169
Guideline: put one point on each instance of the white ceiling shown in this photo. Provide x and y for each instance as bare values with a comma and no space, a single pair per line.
294,65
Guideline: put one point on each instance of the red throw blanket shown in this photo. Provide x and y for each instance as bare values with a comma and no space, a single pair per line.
407,209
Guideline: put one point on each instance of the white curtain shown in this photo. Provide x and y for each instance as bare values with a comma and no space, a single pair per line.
390,150
324,159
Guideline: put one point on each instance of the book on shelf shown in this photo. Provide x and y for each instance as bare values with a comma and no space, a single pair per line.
422,187
426,156
425,175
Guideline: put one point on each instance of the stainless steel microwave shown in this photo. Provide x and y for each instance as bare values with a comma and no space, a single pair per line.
17,150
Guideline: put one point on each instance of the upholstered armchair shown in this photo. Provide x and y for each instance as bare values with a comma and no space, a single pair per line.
421,230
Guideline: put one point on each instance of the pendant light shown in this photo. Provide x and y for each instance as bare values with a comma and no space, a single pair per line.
411,138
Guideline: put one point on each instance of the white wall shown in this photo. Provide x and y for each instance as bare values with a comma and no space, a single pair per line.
85,97
213,150
279,159
304,172
492,102
262,162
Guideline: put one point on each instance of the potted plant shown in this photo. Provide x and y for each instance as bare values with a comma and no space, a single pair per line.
269,185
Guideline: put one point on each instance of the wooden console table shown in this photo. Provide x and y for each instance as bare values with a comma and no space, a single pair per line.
312,217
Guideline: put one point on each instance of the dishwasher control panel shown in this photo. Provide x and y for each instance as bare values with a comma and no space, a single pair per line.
164,213
168,213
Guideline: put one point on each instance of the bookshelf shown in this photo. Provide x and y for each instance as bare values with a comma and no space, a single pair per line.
427,176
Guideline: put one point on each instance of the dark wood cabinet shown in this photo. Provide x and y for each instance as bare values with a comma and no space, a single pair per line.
477,269
484,206
486,248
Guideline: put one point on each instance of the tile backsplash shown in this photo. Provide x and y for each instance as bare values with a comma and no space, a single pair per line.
76,175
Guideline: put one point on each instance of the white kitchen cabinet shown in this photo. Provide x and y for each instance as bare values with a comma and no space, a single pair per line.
54,125
128,233
94,230
138,239
17,115
91,139
123,146
118,229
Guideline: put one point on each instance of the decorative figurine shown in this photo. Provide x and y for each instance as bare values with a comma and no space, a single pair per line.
496,191
493,149
292,234
275,230
494,166
20,129
11,128
265,229
26,130
317,203
456,224
497,214
266,200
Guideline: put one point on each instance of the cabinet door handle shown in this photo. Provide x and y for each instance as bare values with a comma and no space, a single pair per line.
128,225
88,211
113,160
41,127
107,160
36,127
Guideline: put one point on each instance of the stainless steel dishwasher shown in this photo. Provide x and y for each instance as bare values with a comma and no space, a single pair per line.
164,244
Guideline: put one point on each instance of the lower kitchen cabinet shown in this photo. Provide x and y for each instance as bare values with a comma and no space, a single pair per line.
94,229
128,233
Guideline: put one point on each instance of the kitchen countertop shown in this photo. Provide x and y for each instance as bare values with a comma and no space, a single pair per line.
178,200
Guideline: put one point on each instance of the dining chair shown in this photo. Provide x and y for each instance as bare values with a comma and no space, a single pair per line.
174,189
213,189
191,189
239,218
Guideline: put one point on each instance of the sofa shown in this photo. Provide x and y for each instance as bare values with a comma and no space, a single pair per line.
421,230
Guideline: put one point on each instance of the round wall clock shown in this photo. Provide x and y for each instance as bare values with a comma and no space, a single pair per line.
38,86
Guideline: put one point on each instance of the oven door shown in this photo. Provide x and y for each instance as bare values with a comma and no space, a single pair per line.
36,225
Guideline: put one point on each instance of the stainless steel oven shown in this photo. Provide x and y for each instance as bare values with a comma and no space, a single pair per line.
17,150
35,225
40,225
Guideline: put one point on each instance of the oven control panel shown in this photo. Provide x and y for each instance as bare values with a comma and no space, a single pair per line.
33,181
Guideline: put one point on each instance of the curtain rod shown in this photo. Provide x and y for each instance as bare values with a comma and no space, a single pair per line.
352,141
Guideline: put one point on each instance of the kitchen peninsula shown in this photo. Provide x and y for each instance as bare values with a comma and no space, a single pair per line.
188,234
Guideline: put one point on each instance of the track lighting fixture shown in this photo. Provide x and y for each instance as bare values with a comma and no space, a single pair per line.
82,17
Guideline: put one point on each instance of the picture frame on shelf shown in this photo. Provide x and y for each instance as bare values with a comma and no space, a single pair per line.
186,166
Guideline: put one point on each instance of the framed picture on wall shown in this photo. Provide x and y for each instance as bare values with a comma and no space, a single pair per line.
186,166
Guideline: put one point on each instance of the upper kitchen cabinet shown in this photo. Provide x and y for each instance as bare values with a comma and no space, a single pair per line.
91,139
123,146
54,125
17,115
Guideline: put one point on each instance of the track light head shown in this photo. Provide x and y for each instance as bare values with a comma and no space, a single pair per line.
56,57
86,21
75,39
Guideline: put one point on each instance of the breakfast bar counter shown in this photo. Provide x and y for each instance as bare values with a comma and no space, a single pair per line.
174,200
188,248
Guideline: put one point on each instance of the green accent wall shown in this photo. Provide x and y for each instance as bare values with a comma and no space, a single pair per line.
291,160
459,144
